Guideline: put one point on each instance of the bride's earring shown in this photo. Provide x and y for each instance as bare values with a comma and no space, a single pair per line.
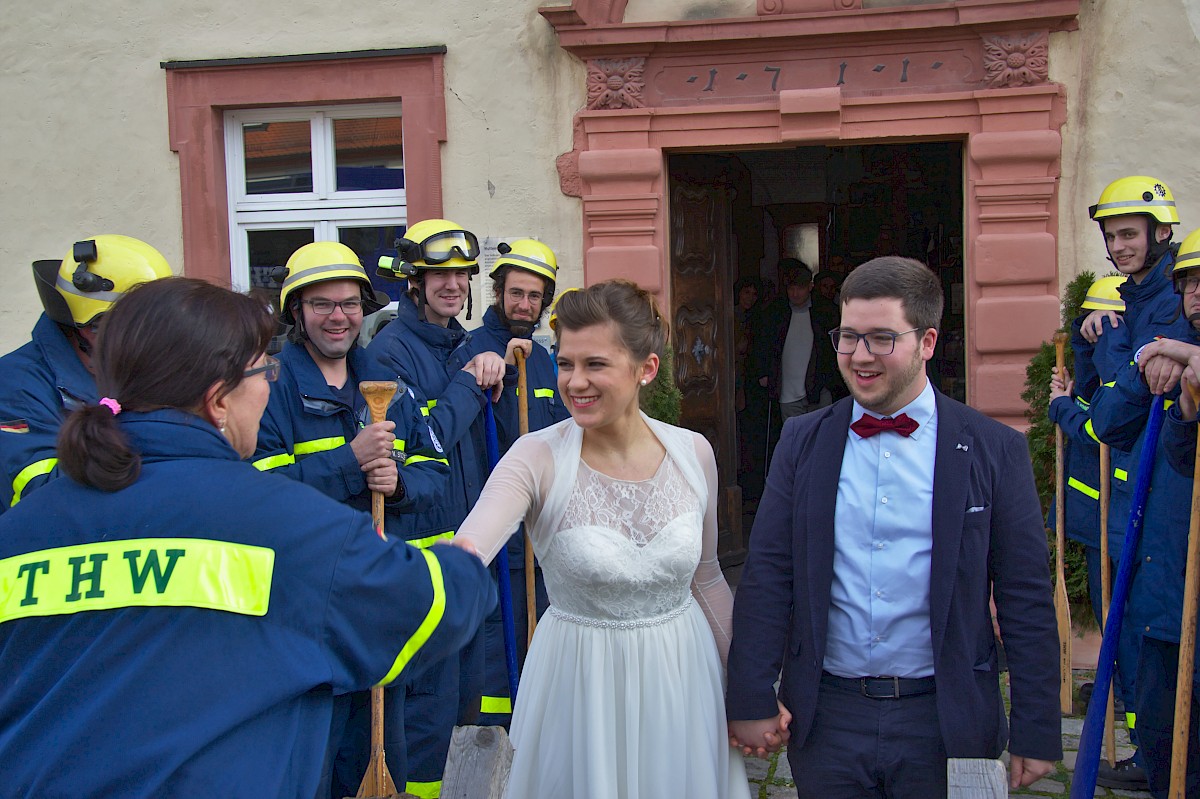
643,381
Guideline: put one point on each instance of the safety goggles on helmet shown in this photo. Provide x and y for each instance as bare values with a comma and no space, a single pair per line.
442,247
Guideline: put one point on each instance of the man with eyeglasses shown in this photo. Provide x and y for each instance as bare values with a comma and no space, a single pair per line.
888,521
51,375
316,429
523,280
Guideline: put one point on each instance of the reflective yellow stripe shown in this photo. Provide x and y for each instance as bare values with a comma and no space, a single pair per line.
139,572
424,411
319,445
419,458
424,790
35,469
495,704
433,618
428,541
1087,426
398,444
1083,488
1131,721
544,392
1121,474
274,462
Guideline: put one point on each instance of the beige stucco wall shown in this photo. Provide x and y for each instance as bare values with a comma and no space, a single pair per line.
85,149
84,141
1131,93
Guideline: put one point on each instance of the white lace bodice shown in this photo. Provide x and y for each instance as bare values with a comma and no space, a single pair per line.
614,552
627,550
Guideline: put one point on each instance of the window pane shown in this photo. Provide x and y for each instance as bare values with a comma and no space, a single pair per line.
269,249
369,153
278,157
370,243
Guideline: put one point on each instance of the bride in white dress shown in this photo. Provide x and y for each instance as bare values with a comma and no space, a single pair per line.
622,694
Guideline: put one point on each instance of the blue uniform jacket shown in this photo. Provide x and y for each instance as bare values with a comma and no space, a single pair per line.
545,406
429,359
306,432
185,636
1152,306
1073,415
40,383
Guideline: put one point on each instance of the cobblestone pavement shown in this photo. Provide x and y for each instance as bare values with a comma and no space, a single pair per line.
773,779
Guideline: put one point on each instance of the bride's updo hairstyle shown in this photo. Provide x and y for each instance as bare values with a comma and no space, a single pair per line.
631,309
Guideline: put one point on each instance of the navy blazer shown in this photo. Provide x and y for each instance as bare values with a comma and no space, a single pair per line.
987,536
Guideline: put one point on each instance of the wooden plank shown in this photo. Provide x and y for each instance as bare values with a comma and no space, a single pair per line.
976,778
478,765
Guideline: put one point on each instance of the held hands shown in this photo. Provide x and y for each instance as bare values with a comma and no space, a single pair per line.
488,370
523,344
1025,771
761,737
1059,388
373,442
1093,325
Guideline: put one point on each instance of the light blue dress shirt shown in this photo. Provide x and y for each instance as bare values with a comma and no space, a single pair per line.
883,540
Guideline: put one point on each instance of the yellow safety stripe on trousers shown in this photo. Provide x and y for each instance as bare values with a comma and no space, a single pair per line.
430,540
1091,431
138,572
35,469
425,790
1121,474
1131,721
495,704
437,609
301,448
1083,488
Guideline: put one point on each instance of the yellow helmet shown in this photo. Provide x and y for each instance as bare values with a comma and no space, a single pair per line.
94,275
437,244
1137,194
1103,294
553,320
527,254
1189,255
321,262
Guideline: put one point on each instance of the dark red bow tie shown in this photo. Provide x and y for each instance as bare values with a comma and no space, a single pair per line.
868,425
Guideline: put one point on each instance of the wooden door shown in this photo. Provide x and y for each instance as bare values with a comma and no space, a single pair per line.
702,276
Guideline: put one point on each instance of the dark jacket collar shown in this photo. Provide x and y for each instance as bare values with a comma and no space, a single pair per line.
173,434
435,336
70,374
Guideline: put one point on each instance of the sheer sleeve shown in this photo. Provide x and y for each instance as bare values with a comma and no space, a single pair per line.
513,494
708,586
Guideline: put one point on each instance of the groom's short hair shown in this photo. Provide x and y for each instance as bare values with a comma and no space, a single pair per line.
904,279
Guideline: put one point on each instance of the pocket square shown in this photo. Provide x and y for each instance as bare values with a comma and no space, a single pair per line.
976,508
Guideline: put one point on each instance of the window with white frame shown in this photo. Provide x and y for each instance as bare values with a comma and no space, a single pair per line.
302,174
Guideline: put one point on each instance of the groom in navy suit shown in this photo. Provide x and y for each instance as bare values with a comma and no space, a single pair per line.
888,522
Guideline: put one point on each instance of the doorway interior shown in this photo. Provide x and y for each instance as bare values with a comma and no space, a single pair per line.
833,208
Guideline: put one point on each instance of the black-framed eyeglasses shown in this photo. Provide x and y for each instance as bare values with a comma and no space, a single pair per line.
516,295
325,307
880,342
1187,284
269,370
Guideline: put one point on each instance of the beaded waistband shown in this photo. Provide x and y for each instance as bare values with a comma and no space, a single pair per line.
620,624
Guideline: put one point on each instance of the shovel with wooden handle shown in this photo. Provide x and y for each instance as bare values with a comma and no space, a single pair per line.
1187,636
1062,609
377,782
1110,731
523,427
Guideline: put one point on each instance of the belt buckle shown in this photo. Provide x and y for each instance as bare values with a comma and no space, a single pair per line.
895,694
